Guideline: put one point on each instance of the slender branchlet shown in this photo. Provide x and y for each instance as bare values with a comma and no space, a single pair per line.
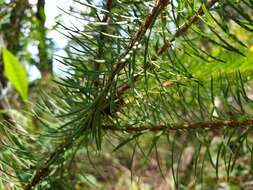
44,170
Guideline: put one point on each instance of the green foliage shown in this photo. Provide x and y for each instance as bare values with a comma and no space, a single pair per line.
15,73
157,78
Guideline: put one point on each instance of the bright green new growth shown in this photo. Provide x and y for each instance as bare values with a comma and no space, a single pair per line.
15,73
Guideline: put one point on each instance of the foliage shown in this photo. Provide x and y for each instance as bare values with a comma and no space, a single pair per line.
144,74
15,73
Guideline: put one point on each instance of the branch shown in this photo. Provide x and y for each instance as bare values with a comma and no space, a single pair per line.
186,126
44,170
180,32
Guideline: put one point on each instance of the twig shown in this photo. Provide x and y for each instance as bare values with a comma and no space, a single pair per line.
180,32
44,170
186,126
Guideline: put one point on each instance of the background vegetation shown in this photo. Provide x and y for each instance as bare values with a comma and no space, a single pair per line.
154,95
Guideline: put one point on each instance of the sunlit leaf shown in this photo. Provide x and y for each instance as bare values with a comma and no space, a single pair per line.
15,73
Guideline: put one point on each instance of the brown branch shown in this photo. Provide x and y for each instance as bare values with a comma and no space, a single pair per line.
160,5
138,35
44,170
122,60
180,32
186,126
